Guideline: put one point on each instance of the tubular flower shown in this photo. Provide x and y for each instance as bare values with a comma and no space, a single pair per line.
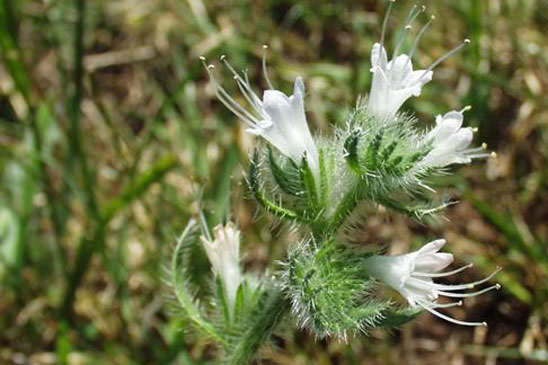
412,275
450,142
223,253
278,118
395,81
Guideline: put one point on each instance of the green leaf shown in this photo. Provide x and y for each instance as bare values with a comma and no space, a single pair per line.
254,185
179,270
397,318
9,241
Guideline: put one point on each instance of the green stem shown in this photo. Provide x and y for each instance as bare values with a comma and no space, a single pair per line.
14,64
344,209
77,145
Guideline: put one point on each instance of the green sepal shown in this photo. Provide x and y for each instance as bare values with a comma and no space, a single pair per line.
372,151
386,152
254,185
309,182
324,180
287,177
239,302
398,317
221,300
351,149
178,279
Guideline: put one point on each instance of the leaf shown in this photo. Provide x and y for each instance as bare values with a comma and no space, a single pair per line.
397,318
9,241
179,270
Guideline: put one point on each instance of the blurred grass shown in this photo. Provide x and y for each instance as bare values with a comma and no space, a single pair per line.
109,135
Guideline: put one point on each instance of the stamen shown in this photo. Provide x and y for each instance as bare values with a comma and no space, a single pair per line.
493,154
419,36
452,320
466,108
466,295
265,71
447,305
225,98
445,56
444,305
442,274
403,34
480,155
250,97
385,21
244,86
426,285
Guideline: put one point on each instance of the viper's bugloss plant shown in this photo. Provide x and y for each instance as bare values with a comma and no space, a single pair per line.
380,157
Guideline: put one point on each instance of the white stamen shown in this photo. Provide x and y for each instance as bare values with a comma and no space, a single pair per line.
467,295
442,274
385,21
445,56
466,108
419,36
265,71
403,35
226,99
448,305
450,319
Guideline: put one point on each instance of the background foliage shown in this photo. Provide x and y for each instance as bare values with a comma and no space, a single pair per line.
109,136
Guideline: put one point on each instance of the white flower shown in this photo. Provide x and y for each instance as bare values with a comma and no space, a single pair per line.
223,253
412,276
394,82
278,118
450,142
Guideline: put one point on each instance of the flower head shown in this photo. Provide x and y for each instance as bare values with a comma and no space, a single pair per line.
395,81
223,252
412,275
278,118
450,141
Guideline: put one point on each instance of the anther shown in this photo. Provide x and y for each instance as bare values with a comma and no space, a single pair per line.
466,108
475,129
484,324
211,67
484,145
498,286
467,41
494,154
202,58
222,58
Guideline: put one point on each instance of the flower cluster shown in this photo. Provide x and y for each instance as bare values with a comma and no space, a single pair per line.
380,158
